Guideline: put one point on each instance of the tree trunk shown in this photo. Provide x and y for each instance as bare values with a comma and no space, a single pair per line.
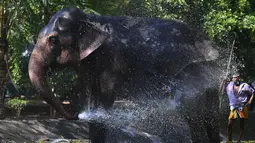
3,51
3,82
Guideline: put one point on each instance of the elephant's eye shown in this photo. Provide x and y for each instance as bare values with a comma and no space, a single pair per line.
53,39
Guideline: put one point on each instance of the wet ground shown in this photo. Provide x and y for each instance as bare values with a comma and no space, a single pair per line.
249,133
56,130
34,130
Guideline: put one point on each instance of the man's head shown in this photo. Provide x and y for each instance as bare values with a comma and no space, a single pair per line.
236,79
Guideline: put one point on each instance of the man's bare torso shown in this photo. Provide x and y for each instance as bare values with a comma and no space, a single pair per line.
236,88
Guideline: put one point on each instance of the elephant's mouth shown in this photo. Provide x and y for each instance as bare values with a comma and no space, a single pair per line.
67,58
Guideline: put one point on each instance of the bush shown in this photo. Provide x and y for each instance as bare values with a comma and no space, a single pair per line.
17,104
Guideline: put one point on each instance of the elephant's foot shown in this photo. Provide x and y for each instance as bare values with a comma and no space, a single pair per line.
97,133
198,130
213,133
212,119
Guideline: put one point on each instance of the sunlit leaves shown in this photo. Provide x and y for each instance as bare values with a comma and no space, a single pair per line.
220,23
248,22
228,20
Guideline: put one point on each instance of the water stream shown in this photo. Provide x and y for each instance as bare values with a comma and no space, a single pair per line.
156,120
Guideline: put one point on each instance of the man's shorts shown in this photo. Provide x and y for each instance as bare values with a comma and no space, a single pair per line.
239,112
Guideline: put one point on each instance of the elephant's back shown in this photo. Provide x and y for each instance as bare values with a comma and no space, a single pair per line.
166,47
125,22
154,45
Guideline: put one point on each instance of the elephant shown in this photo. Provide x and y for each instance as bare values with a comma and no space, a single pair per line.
132,57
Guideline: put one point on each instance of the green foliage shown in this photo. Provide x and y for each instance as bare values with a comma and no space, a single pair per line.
63,82
17,104
229,20
152,8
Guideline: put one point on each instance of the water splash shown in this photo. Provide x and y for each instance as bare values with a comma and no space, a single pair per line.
153,119
129,110
165,118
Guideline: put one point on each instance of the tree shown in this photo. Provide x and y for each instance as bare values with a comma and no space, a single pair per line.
229,20
3,56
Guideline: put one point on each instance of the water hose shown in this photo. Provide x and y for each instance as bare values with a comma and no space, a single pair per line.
221,89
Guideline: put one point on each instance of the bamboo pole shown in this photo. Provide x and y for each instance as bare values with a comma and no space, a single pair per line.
223,83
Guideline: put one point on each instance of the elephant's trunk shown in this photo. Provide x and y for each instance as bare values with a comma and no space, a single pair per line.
38,66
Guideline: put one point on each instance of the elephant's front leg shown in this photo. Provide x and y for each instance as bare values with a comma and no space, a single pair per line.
109,82
98,91
102,89
97,130
84,88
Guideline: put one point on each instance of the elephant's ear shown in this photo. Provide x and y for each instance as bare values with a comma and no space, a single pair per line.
91,39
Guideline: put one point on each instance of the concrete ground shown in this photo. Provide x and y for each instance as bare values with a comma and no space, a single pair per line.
34,130
60,130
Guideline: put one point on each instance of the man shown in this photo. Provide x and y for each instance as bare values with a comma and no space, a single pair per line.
240,95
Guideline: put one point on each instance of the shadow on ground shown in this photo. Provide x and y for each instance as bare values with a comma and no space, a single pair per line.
34,130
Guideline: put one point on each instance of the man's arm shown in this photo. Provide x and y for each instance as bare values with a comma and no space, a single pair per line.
222,86
252,96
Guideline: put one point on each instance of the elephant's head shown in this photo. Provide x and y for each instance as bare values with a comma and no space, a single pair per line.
64,41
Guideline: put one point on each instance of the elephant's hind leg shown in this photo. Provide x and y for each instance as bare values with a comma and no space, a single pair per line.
197,127
212,120
97,132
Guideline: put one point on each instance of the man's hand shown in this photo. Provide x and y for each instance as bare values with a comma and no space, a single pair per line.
222,85
249,102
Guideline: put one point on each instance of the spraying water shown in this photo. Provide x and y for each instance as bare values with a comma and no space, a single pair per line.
150,120
160,119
